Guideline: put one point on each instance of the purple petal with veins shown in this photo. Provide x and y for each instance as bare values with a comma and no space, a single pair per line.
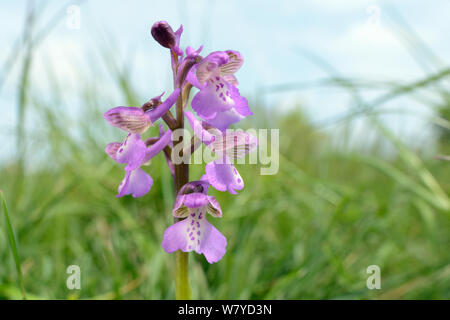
235,61
234,143
213,207
111,149
209,66
129,119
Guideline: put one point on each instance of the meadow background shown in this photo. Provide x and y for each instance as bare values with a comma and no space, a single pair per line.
364,134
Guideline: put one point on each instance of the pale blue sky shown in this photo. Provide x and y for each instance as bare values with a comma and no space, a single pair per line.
347,34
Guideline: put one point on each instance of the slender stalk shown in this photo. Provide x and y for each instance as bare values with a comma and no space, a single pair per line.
182,288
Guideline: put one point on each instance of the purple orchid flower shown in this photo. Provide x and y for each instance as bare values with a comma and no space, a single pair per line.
218,102
195,233
134,153
221,173
138,120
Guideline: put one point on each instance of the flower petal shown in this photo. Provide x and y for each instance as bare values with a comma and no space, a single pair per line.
129,119
215,97
234,63
192,53
191,196
175,237
195,200
195,233
136,182
213,207
155,113
179,209
123,186
176,49
224,176
132,151
192,78
199,186
208,67
231,79
235,144
111,149
206,136
213,246
241,103
223,120
159,145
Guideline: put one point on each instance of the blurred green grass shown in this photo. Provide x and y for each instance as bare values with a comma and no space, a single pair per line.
308,232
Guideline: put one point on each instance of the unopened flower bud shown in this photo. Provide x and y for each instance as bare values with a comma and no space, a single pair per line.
152,103
162,32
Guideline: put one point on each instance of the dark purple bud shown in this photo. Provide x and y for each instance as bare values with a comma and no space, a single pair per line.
162,32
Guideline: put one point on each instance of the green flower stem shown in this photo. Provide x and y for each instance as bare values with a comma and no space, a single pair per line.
182,288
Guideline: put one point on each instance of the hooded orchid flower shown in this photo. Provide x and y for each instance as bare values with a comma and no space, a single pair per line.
134,153
195,233
221,173
218,102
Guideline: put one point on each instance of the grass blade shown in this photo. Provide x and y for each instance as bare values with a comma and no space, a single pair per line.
13,244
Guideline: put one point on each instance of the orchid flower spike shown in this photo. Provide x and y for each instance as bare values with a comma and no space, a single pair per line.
217,105
195,233
218,102
138,120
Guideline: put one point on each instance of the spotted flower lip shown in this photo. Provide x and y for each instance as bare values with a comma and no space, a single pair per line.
218,102
136,120
195,233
